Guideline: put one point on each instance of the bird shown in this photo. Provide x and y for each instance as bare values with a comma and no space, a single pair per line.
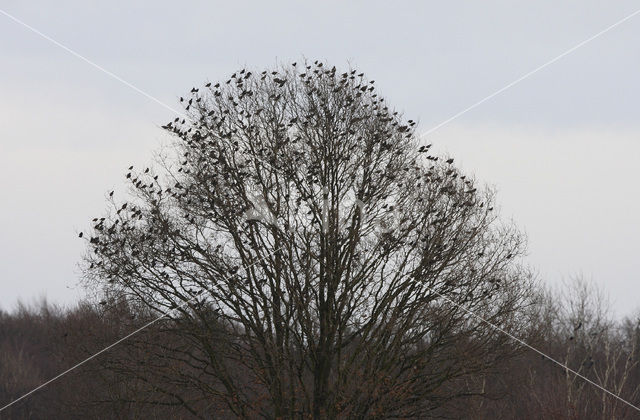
450,161
208,84
80,235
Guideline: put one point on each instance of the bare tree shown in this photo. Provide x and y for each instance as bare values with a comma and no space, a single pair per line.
581,333
303,239
597,347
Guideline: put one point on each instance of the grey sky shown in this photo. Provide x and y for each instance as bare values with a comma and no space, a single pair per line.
562,147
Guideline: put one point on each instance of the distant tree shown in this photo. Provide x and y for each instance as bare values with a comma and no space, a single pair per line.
574,326
590,341
302,239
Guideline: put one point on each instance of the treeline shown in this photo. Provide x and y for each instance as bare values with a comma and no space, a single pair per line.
141,378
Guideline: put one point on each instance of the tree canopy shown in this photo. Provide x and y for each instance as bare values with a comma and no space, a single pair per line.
302,239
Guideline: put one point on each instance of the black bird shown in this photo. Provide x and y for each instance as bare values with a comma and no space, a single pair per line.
111,194
80,235
450,161
208,84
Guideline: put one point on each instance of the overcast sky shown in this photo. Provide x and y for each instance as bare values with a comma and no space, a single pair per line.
562,147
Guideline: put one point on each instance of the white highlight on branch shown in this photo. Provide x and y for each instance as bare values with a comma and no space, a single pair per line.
455,116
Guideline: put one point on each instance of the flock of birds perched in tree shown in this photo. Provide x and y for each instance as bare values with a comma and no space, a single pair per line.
261,132
298,200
